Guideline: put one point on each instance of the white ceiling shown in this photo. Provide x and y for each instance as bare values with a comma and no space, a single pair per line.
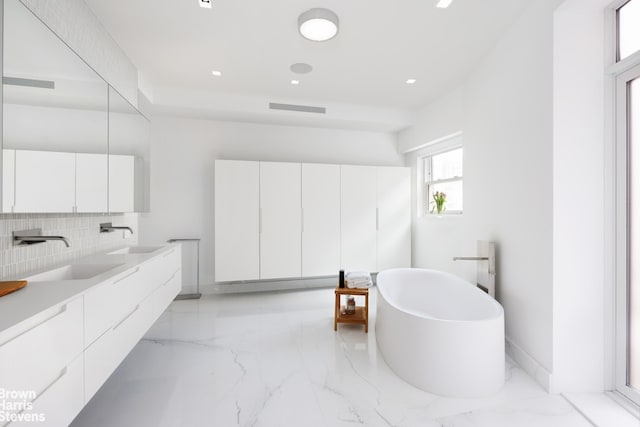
381,43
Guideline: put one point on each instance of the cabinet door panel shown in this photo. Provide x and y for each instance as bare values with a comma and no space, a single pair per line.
45,181
321,220
91,182
280,207
8,183
358,217
121,183
394,218
237,198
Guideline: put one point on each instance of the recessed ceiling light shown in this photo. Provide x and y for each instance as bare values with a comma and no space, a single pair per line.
443,4
295,82
411,81
216,73
205,3
318,24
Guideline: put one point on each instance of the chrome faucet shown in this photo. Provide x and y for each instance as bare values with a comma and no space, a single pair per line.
107,227
33,236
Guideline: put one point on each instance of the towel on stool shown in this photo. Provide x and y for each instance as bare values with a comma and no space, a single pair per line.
359,280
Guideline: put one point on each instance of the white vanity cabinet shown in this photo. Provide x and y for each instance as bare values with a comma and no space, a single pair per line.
131,303
61,356
42,357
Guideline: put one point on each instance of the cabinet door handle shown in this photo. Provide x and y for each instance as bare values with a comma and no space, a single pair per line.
62,310
126,317
172,276
51,384
168,253
127,276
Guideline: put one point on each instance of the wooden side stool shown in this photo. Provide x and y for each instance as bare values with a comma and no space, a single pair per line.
361,316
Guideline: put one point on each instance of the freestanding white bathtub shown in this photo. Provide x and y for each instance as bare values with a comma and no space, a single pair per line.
440,333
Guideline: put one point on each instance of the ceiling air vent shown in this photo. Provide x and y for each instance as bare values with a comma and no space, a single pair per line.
299,108
17,81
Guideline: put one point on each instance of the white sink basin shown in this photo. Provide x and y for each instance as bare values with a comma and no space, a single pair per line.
135,250
72,272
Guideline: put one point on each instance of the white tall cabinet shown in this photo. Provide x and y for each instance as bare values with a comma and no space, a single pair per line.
237,220
394,218
280,221
286,220
358,217
320,219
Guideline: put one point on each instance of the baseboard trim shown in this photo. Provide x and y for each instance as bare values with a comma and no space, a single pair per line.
270,286
530,365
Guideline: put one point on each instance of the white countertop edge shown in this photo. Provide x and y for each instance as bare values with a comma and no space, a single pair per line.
38,297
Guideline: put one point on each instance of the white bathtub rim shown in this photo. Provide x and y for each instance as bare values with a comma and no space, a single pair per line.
391,302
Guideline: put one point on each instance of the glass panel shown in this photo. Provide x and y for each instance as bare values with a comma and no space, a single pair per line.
54,121
629,28
634,256
447,165
453,191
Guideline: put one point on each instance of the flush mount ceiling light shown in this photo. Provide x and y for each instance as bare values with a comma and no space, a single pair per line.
411,81
216,73
318,24
295,82
443,4
205,4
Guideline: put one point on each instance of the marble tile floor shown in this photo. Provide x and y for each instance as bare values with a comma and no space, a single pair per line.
273,359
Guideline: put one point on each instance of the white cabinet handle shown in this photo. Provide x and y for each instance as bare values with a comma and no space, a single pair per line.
127,276
126,317
168,253
62,310
172,276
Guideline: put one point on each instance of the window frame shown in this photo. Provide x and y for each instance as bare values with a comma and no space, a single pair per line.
427,182
620,72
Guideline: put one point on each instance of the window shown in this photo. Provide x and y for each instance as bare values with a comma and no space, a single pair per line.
627,259
628,16
443,174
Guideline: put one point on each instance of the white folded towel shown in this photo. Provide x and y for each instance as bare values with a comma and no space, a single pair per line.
363,285
358,275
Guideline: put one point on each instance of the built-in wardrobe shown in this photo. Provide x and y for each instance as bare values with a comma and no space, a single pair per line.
294,220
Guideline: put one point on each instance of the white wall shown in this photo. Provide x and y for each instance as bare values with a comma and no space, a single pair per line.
504,109
182,174
579,203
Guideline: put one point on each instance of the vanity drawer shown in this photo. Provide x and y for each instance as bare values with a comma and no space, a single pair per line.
108,351
109,302
163,296
32,357
163,266
60,401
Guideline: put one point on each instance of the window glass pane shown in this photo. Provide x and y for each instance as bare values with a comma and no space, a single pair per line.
453,190
629,28
447,165
634,256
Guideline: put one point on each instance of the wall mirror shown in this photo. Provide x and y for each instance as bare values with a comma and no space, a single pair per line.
54,122
128,156
70,142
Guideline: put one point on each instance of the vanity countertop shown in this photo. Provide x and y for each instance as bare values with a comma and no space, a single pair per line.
39,296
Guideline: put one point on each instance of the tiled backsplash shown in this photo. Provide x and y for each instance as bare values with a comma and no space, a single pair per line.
82,231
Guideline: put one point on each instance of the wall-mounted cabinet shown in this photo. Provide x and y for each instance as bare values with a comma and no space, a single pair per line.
60,122
288,220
